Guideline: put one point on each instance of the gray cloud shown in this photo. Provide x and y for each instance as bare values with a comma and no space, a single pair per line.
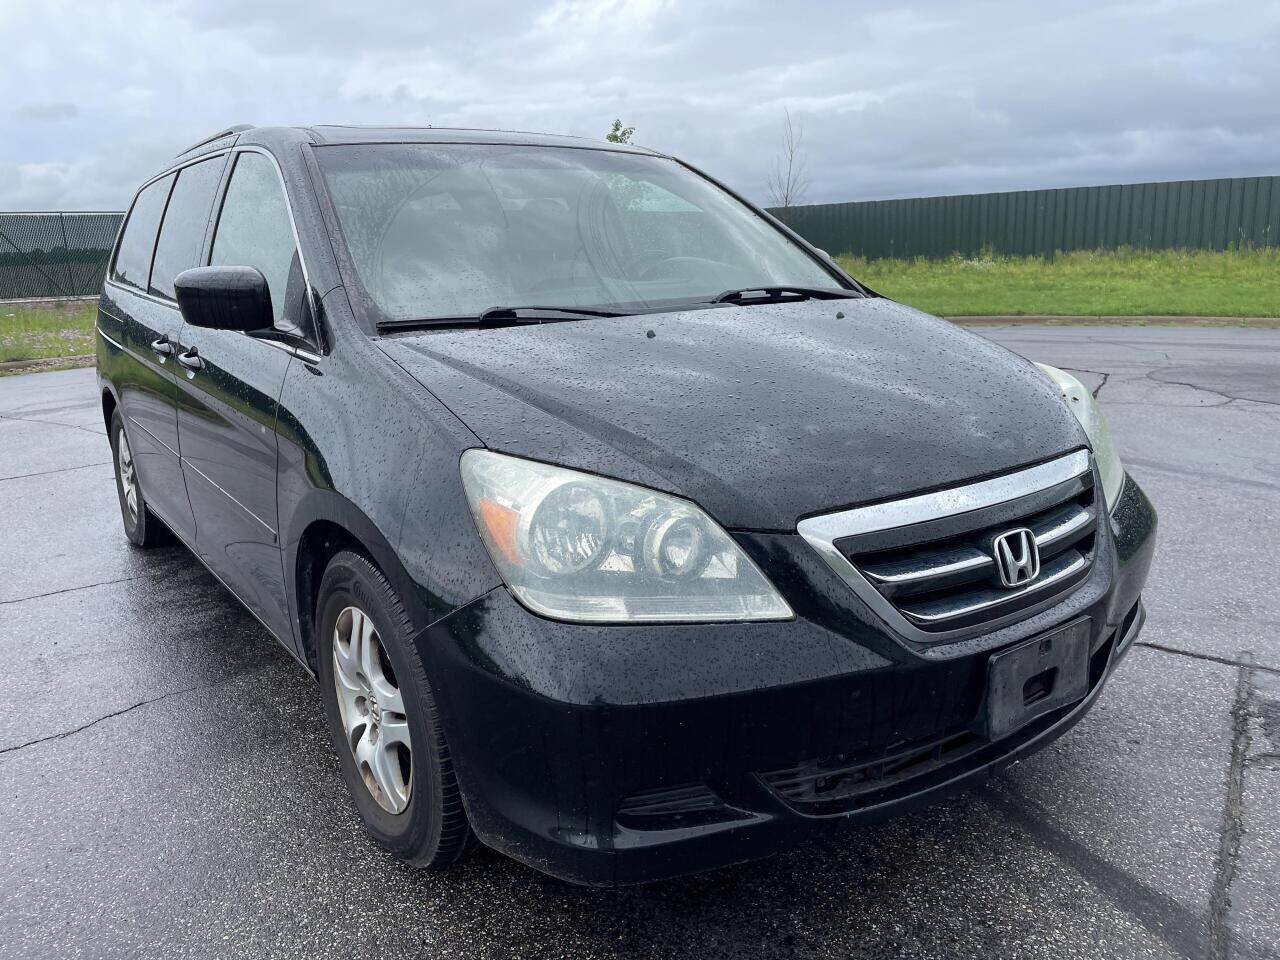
48,112
930,98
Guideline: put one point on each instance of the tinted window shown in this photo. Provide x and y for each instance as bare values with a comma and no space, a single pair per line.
453,229
133,261
182,235
254,229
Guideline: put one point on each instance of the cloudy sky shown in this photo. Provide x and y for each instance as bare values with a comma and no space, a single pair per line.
894,99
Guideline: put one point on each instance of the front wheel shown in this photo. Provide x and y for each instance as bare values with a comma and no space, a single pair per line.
383,719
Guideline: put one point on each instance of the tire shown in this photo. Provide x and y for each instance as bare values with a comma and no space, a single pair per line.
412,806
142,527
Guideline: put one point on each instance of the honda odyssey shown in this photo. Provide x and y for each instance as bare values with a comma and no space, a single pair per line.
623,531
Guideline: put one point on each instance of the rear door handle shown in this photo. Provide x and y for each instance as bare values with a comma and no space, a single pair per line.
191,359
162,347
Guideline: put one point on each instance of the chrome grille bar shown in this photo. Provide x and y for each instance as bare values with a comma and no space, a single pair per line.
932,570
1063,568
933,587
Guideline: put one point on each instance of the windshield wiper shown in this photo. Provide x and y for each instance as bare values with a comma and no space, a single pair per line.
502,317
779,294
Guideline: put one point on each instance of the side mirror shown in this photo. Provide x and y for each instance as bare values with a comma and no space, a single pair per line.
224,298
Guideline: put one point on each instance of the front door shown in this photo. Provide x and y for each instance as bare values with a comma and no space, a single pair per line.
227,409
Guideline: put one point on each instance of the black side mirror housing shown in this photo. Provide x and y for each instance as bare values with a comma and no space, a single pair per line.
224,298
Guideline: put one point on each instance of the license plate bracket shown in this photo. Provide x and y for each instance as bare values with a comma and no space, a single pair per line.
1036,677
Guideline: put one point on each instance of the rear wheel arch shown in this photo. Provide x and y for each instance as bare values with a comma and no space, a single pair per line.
109,405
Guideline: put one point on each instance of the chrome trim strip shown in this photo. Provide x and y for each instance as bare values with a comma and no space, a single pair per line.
968,560
115,343
187,462
1073,567
972,560
292,350
124,220
821,532
293,223
1064,529
945,503
293,226
144,294
278,345
134,421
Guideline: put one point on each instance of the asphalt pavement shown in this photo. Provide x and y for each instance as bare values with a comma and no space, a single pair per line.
166,788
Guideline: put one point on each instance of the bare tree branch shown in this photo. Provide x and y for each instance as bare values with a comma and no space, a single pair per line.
788,182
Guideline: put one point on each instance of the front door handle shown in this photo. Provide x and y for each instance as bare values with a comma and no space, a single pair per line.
162,347
191,359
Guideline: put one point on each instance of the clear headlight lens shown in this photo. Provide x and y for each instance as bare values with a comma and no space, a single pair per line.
1089,412
579,547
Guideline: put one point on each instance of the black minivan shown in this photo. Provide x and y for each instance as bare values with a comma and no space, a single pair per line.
623,530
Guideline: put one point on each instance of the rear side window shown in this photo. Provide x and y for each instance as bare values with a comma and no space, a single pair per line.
254,229
133,260
182,235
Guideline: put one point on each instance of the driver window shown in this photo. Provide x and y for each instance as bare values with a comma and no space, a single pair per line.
254,230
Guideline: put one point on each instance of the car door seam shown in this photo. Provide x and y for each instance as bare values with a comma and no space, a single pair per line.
187,462
135,422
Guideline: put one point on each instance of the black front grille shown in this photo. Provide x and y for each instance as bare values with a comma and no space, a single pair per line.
945,579
860,780
838,785
670,808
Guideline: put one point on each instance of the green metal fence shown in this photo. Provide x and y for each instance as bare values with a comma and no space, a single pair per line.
65,254
1192,214
54,254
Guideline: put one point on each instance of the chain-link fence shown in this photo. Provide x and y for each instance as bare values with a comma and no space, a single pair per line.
54,254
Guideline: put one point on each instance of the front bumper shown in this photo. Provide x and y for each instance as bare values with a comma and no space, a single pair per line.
609,756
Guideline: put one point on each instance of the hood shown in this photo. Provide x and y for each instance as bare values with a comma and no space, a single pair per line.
760,414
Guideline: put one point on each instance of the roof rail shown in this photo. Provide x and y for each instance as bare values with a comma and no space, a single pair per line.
236,128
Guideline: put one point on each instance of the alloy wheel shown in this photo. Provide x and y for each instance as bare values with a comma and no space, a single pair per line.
374,721
128,481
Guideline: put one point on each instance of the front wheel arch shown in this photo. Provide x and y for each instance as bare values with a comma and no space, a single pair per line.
320,542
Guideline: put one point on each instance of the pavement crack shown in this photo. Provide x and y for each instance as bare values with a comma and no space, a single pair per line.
45,473
52,423
1232,828
85,726
129,709
1200,474
1226,397
1097,373
1246,664
83,586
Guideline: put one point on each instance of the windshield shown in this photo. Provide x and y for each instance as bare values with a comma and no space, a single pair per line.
452,230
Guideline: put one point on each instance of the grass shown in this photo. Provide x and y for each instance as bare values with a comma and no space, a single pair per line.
50,328
1237,283
1126,283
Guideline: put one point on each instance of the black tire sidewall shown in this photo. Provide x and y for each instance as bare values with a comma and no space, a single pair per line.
413,834
134,529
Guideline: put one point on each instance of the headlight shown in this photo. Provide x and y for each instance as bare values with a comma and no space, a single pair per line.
579,547
1089,412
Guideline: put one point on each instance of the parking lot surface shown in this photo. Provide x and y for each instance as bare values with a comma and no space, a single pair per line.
167,790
